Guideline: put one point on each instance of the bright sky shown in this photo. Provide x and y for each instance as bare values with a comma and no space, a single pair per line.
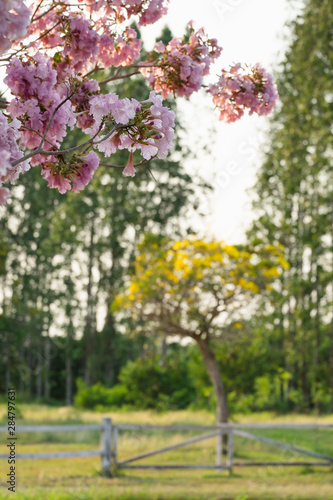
249,31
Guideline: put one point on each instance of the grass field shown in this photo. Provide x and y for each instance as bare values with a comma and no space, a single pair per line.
79,478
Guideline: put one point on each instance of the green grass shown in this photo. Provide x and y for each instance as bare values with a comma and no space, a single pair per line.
79,478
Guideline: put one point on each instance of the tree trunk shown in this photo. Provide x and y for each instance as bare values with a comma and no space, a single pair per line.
68,380
47,366
316,344
21,370
222,411
110,371
90,321
39,374
163,351
330,366
69,354
7,374
330,358
29,368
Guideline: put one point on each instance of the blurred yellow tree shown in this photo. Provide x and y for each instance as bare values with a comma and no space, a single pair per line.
195,289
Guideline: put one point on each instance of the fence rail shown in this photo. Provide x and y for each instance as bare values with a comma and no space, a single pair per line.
109,445
181,427
104,452
55,428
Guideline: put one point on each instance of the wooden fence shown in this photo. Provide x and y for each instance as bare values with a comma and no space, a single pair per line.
104,452
110,436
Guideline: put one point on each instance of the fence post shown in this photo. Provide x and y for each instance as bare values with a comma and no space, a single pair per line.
230,456
219,449
106,446
114,450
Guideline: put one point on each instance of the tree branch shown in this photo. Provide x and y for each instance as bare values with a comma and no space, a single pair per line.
143,162
115,77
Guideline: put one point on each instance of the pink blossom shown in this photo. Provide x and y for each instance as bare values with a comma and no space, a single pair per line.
95,6
129,170
119,51
149,11
110,145
37,96
10,152
81,101
180,67
5,168
81,43
85,173
4,194
123,110
109,106
159,47
238,89
32,78
155,10
5,165
164,122
106,50
149,149
55,178
101,105
47,24
87,89
150,131
15,19
77,170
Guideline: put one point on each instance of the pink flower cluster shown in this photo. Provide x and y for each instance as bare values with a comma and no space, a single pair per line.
47,27
237,90
180,66
15,19
9,152
149,11
4,169
83,43
81,102
147,126
109,105
119,51
152,11
34,83
85,46
73,174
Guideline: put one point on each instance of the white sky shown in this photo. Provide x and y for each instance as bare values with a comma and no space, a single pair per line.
249,31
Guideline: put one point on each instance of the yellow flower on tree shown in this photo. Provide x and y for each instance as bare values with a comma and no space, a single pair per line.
194,288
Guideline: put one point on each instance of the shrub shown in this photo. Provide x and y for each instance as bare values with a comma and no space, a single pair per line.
143,384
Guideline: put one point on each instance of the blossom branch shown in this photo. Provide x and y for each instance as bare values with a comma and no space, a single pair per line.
36,9
115,77
143,162
52,117
106,136
38,133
